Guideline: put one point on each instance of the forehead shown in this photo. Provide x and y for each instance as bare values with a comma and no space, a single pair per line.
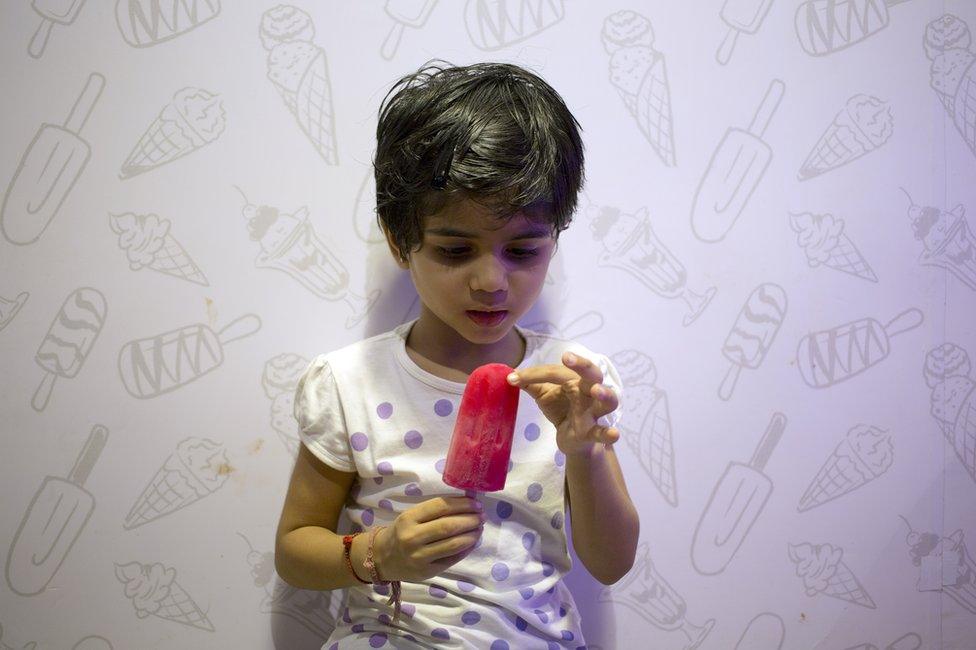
467,218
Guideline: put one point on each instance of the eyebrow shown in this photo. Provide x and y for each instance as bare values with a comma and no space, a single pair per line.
533,233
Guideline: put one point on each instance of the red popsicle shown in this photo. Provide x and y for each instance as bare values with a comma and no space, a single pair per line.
482,440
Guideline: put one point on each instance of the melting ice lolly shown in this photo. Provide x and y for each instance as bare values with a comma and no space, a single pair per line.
482,441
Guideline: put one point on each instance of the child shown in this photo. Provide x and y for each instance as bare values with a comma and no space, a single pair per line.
477,171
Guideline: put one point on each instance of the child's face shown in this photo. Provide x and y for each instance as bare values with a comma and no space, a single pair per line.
483,265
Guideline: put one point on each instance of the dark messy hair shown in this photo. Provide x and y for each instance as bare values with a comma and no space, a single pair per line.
494,133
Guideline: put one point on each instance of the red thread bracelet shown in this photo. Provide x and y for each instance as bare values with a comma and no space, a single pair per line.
347,545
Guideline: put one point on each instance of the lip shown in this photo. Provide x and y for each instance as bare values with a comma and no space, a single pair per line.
487,318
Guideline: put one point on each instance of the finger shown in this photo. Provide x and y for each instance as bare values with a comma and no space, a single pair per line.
441,507
551,373
590,374
447,527
605,400
606,435
450,546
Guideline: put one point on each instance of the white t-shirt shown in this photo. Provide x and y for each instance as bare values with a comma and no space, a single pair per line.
369,408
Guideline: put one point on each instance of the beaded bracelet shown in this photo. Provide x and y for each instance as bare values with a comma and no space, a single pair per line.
374,574
347,545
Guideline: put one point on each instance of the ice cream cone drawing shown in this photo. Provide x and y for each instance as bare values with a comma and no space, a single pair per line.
647,594
69,340
824,572
9,308
948,240
864,454
646,420
948,45
628,243
290,244
147,243
741,17
197,468
144,23
53,522
154,592
153,366
752,334
193,119
831,356
822,238
51,12
639,74
494,24
279,380
950,559
862,126
312,609
827,26
947,372
300,72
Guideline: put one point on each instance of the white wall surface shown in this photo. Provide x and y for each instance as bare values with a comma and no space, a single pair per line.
120,370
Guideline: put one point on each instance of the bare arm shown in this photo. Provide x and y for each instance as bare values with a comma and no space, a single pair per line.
604,521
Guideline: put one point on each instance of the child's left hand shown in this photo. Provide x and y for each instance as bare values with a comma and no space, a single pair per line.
572,397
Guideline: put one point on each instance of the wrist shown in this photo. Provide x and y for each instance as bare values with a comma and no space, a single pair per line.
586,452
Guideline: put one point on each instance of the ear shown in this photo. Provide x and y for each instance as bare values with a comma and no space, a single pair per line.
403,264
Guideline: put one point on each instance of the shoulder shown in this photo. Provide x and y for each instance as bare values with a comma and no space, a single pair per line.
359,354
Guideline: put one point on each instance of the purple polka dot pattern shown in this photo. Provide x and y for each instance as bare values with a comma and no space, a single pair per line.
557,520
443,407
560,458
531,432
439,465
498,644
563,608
378,480
384,410
551,589
377,640
543,617
345,615
440,633
384,619
521,623
528,541
358,627
382,590
408,610
567,635
385,468
552,645
470,618
534,493
359,441
499,571
547,569
334,646
436,591
367,517
386,504
413,490
465,586
413,439
503,509
527,592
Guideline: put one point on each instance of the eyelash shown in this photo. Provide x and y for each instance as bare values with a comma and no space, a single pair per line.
455,253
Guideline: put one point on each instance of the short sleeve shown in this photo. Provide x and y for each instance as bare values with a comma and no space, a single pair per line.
318,411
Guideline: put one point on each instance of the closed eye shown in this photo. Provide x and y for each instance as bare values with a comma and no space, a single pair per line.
518,253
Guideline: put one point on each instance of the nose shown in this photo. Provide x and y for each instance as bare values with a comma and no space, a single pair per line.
489,274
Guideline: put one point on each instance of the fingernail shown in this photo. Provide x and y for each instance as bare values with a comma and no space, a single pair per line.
478,505
513,378
571,358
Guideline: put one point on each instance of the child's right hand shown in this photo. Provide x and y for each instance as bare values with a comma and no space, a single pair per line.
428,538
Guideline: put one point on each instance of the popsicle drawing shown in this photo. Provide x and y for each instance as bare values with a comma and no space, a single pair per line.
481,444
742,17
752,334
948,45
404,13
735,504
947,371
51,12
828,357
766,631
69,340
647,594
827,26
638,72
147,242
494,24
299,70
822,238
153,590
9,308
144,23
863,125
646,421
734,172
54,520
156,365
948,241
51,166
910,641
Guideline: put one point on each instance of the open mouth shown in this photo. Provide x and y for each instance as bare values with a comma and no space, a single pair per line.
487,318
